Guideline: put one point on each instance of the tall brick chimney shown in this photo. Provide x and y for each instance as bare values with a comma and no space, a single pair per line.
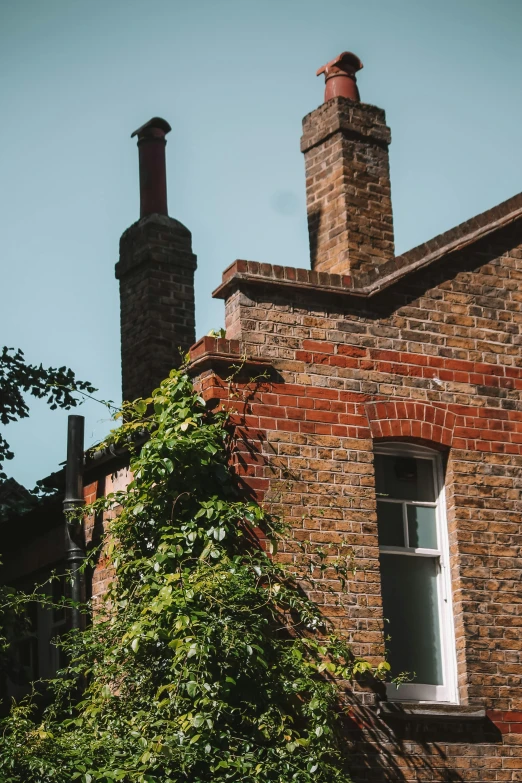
345,144
156,274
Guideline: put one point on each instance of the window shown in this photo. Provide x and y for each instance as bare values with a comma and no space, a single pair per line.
416,588
34,655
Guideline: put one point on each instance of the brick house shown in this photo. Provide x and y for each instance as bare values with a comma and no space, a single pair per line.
386,413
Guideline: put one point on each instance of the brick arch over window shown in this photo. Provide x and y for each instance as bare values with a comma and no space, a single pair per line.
408,419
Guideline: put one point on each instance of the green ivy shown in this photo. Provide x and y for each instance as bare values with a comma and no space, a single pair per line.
206,661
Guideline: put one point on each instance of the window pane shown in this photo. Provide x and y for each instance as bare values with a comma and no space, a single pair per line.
422,527
410,605
404,478
390,524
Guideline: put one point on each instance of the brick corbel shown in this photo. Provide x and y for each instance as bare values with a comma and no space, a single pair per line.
214,352
506,721
409,419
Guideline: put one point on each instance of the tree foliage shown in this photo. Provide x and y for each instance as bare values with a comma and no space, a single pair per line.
57,385
206,661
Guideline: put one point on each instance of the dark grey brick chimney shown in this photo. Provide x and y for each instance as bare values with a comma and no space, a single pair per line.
156,275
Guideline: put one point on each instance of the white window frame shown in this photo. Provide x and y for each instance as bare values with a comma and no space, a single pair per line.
419,692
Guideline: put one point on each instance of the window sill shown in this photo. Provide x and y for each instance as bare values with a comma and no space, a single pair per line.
435,711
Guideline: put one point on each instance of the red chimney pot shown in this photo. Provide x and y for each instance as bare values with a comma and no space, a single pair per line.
153,176
340,77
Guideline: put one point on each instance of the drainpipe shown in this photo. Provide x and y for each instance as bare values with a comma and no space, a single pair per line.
73,500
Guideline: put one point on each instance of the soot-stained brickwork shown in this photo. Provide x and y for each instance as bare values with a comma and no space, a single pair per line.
156,275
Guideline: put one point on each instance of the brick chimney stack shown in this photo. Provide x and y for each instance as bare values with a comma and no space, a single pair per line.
156,275
345,144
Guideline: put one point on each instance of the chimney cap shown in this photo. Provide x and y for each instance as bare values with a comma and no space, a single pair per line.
339,76
346,61
155,124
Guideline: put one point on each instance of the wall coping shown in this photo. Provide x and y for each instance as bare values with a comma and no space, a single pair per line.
368,285
210,351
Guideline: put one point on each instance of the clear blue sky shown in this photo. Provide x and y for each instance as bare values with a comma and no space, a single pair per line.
234,78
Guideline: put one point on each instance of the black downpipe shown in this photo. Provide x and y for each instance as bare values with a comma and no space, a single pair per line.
75,554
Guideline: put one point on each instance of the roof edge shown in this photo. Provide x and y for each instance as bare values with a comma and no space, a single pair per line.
455,238
462,235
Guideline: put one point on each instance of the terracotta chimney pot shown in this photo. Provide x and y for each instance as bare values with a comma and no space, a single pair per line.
340,77
153,176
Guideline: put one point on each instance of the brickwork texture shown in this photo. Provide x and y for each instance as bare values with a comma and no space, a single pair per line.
363,349
432,359
345,145
157,310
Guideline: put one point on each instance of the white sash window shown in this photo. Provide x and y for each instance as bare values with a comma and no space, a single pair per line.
416,587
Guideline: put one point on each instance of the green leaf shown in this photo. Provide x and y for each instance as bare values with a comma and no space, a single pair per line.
140,406
192,688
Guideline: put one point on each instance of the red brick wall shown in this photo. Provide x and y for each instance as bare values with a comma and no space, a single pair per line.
434,358
95,531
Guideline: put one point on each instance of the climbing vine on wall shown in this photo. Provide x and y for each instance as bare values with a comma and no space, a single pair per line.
206,660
